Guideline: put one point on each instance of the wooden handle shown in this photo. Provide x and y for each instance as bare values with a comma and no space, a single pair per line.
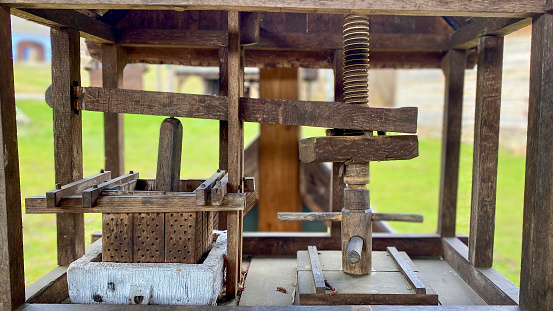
355,247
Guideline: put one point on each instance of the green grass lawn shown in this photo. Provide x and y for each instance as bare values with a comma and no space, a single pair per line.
396,186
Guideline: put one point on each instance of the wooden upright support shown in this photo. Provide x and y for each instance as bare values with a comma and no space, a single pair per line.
337,178
454,64
113,62
223,126
235,151
486,144
68,145
278,155
12,277
536,277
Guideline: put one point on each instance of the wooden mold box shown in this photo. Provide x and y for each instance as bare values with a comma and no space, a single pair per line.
386,285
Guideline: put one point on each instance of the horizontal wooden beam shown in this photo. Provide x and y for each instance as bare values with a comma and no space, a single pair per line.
153,103
172,37
328,114
493,287
337,216
89,27
467,37
287,244
358,149
89,195
136,204
506,8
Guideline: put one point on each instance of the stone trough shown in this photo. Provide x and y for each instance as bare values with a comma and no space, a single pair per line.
93,282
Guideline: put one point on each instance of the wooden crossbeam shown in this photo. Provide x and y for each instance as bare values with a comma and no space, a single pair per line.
90,195
53,197
506,8
135,204
203,192
337,216
358,149
467,37
89,27
219,191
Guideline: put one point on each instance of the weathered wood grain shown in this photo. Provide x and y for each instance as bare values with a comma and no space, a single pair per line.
90,195
486,146
337,216
454,64
386,7
117,237
219,191
249,28
493,287
467,37
357,149
68,154
317,270
220,218
169,155
89,27
406,270
114,60
134,204
536,277
51,288
328,114
12,276
153,103
357,223
53,197
203,192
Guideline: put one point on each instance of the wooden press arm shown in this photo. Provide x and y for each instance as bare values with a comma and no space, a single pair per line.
337,216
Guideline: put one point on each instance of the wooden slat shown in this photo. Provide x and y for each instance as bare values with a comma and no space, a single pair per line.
68,155
337,216
251,200
406,270
278,155
90,195
153,103
317,270
171,37
221,218
249,28
384,7
53,197
358,148
89,27
486,146
338,168
536,274
454,64
114,60
12,277
467,37
134,204
328,114
203,192
219,191
493,287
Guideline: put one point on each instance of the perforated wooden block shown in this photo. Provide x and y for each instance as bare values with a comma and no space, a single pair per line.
148,237
180,237
117,237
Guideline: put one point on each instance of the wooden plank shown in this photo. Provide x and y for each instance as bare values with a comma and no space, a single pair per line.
338,168
53,197
280,244
12,276
171,38
89,27
249,28
358,148
493,287
337,216
153,103
134,204
223,128
328,114
537,238
235,151
278,156
406,270
113,62
386,7
251,200
219,191
90,195
467,37
454,64
169,155
68,155
486,146
318,278
203,192
51,288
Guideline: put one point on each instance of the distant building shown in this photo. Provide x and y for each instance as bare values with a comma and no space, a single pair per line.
30,41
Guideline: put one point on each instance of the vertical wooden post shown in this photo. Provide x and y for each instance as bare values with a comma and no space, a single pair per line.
536,276
337,178
114,60
486,144
278,156
12,277
223,126
235,151
453,65
68,153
